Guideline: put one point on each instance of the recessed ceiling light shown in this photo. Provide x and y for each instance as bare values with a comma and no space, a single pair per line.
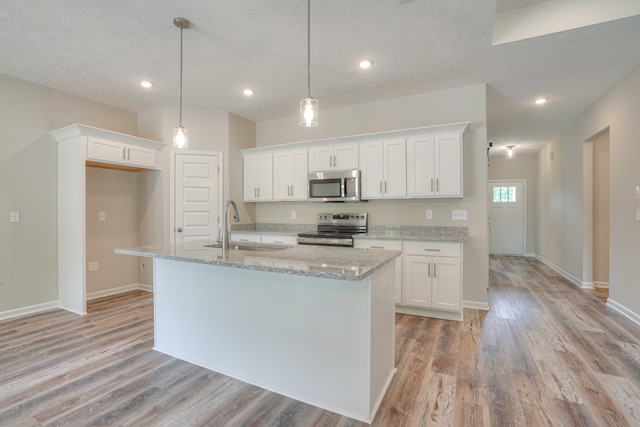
364,64
541,101
145,84
248,92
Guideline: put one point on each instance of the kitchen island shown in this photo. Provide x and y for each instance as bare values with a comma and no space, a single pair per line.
312,323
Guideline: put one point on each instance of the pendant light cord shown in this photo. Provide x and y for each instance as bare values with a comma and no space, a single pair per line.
181,30
309,48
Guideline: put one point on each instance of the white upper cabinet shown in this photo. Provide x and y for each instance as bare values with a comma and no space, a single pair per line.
333,157
290,175
383,171
434,166
258,177
118,153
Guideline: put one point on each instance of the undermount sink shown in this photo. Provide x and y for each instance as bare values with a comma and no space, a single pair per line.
247,247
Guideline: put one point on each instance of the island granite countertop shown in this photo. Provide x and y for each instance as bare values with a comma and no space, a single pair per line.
313,261
416,233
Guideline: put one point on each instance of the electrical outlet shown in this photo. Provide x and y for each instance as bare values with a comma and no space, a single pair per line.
638,215
14,216
429,214
102,216
459,214
293,214
94,266
143,266
637,192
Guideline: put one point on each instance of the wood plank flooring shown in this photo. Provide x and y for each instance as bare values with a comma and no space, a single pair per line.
546,354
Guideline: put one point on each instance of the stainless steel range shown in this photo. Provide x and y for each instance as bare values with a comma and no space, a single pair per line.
335,229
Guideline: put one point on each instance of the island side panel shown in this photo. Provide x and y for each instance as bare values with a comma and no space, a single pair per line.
304,337
382,333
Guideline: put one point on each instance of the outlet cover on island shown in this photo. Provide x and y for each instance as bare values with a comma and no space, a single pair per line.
293,214
459,214
429,214
14,216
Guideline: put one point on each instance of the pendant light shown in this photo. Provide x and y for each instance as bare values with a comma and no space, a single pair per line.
308,105
180,135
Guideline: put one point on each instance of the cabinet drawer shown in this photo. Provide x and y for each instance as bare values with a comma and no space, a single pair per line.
447,249
377,244
283,239
245,237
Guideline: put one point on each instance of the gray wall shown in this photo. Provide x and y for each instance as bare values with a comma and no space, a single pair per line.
28,176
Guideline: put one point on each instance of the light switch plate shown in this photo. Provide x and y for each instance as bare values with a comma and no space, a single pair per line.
94,266
459,214
638,215
102,216
429,214
14,216
638,192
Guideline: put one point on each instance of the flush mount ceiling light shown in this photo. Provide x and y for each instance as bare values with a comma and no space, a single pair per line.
146,84
541,101
248,92
308,105
510,153
180,135
364,64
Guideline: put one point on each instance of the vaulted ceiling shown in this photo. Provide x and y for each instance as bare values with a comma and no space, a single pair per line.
102,49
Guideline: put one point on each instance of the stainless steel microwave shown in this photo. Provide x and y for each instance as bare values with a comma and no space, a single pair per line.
335,186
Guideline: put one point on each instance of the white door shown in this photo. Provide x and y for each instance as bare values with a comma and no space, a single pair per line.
506,217
197,190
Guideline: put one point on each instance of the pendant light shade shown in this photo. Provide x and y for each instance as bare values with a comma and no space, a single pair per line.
308,105
180,134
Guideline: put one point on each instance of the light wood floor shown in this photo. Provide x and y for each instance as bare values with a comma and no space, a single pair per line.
546,354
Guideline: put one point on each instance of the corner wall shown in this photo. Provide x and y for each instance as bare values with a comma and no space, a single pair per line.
436,108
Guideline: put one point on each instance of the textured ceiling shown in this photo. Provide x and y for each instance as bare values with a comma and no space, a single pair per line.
101,49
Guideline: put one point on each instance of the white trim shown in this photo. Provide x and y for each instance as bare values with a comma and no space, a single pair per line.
587,285
429,312
32,309
601,285
563,273
634,317
476,305
39,308
119,290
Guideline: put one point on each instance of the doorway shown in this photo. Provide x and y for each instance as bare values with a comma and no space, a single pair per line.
507,219
196,197
597,206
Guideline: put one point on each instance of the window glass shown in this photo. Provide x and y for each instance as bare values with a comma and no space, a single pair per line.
504,194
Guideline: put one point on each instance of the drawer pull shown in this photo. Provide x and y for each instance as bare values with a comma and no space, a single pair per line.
244,240
278,241
431,250
376,247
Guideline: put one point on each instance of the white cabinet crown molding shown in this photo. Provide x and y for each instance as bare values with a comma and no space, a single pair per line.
75,130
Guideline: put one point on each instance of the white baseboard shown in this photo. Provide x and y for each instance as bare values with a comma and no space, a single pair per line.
566,275
476,305
25,311
121,289
601,285
34,309
634,317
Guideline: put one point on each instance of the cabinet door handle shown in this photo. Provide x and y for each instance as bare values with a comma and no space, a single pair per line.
124,151
380,187
128,153
258,192
255,191
428,269
434,269
432,185
386,189
438,185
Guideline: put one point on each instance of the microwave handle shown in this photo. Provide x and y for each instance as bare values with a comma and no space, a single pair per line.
343,187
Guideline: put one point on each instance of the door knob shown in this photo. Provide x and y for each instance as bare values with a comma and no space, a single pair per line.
179,229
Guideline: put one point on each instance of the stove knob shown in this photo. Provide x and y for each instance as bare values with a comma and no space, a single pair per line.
352,217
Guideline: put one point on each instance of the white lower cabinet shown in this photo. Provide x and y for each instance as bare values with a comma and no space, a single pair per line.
428,276
386,244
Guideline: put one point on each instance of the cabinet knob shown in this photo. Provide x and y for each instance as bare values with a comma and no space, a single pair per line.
179,229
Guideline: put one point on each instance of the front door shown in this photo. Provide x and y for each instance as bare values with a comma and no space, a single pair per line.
197,198
506,217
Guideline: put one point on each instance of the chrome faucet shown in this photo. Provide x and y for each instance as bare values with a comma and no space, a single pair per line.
225,224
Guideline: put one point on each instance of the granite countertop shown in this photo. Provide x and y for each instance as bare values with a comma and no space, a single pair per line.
383,232
416,233
314,261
